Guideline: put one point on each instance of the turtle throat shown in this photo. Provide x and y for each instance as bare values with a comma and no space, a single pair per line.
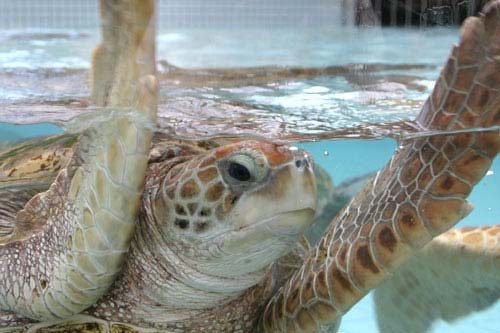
158,273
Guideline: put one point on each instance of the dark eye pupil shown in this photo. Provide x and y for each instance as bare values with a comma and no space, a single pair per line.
239,172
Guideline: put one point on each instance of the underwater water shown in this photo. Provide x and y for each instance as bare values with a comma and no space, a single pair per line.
50,69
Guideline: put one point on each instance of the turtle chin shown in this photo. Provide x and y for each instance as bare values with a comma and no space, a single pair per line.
280,230
255,246
292,223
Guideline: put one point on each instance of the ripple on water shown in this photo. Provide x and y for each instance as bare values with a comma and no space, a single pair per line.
334,82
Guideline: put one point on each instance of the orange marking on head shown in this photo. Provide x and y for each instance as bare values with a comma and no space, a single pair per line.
190,189
207,175
214,192
206,162
274,153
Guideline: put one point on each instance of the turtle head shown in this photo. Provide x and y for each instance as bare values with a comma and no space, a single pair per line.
237,208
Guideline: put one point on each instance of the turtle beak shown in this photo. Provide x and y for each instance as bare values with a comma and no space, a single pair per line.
286,204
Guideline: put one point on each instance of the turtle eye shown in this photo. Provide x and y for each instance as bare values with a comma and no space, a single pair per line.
243,170
239,172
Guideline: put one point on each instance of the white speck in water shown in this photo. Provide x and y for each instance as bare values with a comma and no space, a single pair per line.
490,173
326,153
490,209
293,148
399,148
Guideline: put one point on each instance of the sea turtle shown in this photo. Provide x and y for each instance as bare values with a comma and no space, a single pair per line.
215,225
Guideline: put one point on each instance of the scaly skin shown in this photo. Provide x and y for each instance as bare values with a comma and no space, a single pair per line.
74,237
189,224
418,195
172,278
64,251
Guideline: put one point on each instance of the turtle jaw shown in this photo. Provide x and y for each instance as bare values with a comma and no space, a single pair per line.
285,205
252,248
292,223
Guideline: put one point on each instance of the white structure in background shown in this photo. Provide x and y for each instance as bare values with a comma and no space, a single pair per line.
83,14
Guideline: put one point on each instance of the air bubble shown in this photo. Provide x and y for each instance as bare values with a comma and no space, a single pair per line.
326,153
399,148
490,173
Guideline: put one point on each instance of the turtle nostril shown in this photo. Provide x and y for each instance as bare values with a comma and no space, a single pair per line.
302,160
301,163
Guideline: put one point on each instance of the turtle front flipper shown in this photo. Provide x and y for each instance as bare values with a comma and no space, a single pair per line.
419,194
456,274
69,242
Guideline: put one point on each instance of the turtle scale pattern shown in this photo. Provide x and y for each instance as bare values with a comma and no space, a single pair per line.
186,174
47,212
196,187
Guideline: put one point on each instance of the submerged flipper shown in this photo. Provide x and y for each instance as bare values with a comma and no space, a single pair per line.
457,274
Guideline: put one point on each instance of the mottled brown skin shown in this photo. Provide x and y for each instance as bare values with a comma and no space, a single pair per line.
417,196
